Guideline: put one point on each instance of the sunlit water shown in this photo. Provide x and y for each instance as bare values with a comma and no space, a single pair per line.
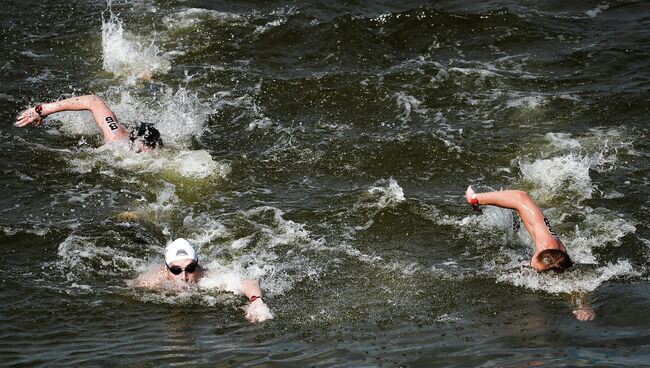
324,149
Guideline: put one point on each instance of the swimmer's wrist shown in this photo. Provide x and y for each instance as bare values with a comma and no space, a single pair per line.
39,111
255,298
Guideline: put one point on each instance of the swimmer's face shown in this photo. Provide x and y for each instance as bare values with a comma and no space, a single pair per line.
139,146
144,138
190,271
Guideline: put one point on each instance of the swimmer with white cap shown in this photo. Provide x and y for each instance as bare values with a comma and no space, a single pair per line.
182,269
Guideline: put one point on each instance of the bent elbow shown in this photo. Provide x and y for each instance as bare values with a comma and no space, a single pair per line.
523,196
93,101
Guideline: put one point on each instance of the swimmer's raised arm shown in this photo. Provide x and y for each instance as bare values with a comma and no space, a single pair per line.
550,253
102,114
257,310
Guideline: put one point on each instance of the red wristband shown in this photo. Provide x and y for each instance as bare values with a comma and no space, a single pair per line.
255,297
39,110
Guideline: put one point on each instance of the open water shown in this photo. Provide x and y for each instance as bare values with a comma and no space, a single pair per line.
324,148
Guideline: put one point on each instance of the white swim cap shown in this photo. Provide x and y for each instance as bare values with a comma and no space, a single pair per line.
180,249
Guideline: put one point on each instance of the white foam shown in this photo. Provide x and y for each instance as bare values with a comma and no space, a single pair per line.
178,114
383,18
82,254
32,54
404,268
564,166
241,242
197,164
220,277
600,228
269,25
24,228
205,229
261,123
563,141
74,123
407,104
560,174
282,15
127,55
280,231
579,280
531,102
593,13
186,164
387,195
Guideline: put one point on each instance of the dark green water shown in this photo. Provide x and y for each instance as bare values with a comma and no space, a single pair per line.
324,148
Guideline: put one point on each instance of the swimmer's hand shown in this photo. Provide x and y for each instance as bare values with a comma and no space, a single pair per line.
29,116
126,216
584,314
258,311
147,75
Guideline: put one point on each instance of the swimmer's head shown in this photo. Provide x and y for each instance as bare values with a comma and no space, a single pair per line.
553,259
145,137
182,262
180,249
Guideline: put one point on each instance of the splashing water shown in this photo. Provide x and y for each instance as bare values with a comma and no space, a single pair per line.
127,55
388,195
581,279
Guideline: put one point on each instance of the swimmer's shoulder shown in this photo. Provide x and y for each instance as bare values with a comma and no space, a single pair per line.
153,279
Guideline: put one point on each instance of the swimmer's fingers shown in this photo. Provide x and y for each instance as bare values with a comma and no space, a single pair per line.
22,119
584,314
38,121
27,117
257,312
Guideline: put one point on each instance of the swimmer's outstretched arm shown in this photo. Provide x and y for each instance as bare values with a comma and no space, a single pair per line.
102,114
257,310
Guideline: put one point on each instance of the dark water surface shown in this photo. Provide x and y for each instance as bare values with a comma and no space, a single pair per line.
324,148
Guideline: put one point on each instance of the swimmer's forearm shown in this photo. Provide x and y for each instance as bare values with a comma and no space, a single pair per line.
580,299
582,308
256,310
102,114
78,103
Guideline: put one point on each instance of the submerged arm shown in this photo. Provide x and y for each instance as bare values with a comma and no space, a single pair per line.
582,308
102,114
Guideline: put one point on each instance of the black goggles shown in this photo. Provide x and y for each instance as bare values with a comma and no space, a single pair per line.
176,270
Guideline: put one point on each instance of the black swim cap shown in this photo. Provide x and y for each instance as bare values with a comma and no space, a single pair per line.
150,135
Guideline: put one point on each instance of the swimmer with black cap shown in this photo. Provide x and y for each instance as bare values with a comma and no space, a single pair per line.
182,269
143,138
550,254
